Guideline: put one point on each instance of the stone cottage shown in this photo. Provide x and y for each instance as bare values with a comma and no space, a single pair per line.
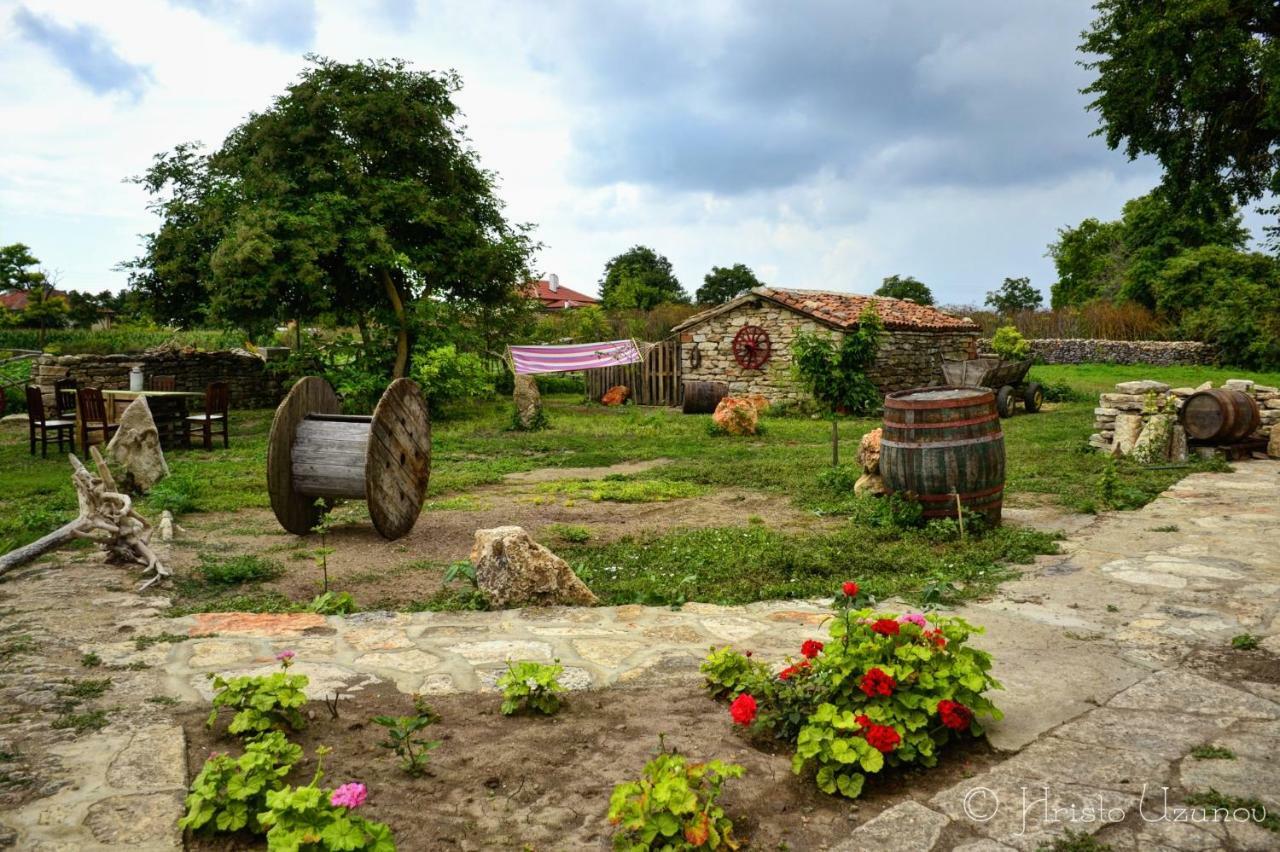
747,341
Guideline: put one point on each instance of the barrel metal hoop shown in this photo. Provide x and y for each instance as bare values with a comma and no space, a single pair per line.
972,421
941,445
964,495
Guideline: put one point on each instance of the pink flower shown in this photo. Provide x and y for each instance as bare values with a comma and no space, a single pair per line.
349,795
286,658
912,618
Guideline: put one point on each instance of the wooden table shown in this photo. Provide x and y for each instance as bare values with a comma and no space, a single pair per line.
172,424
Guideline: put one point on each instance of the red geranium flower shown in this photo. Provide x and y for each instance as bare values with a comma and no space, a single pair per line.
883,738
955,715
791,671
937,637
850,589
811,648
876,683
864,721
887,627
743,709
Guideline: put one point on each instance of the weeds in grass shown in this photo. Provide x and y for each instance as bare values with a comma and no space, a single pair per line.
237,570
86,690
179,492
573,533
619,490
456,503
90,660
1170,528
273,602
142,643
94,720
1212,752
332,603
13,646
163,700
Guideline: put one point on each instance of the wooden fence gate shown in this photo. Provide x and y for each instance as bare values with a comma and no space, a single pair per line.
653,381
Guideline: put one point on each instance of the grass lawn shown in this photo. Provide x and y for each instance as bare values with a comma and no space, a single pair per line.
1048,464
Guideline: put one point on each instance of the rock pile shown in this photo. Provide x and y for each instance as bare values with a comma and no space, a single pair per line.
1141,418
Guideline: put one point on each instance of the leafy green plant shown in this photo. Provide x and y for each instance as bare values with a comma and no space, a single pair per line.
402,737
238,570
93,720
892,511
90,660
572,533
531,686
447,375
1212,752
262,702
230,792
461,570
729,672
332,603
1244,642
1008,343
839,479
307,818
673,806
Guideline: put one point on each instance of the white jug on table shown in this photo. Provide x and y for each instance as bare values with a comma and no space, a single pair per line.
135,379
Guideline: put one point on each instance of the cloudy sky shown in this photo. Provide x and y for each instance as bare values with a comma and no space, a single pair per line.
825,144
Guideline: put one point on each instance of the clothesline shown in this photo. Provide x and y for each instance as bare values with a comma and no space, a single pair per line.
572,357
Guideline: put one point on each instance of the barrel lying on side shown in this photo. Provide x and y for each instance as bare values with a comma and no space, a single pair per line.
942,442
703,397
1220,415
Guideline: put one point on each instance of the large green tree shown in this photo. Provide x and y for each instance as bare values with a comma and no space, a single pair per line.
1013,296
1196,84
724,283
905,287
18,267
355,193
639,278
1122,259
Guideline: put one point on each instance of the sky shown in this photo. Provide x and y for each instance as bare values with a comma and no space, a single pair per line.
825,144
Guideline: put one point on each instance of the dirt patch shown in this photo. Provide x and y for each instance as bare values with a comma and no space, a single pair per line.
543,783
398,573
552,474
1231,666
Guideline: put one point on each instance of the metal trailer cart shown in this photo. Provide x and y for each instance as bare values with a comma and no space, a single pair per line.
1007,379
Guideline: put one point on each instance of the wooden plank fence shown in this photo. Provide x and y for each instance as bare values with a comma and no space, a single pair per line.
654,381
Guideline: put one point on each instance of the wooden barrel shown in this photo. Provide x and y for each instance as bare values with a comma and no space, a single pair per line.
1220,415
942,441
703,397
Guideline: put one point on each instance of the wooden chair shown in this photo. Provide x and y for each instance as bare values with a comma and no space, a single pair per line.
92,413
63,430
162,383
64,397
216,409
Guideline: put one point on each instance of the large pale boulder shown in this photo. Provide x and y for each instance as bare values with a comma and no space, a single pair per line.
514,570
1142,387
136,446
616,395
869,451
870,484
1128,428
737,416
1153,443
528,402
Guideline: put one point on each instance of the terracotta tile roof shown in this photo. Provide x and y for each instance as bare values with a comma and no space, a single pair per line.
559,298
14,300
841,310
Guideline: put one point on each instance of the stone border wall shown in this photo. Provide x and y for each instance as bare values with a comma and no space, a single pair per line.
250,383
1185,353
906,359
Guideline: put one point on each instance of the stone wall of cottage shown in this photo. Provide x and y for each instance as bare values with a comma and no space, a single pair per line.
251,384
906,359
1187,353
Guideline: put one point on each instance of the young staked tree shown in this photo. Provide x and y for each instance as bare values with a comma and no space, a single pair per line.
724,283
835,372
355,193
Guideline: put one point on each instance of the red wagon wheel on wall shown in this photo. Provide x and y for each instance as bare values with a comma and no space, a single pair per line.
752,347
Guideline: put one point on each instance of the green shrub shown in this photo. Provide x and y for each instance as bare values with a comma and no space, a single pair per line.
120,338
839,479
230,792
531,686
447,375
673,806
1009,343
262,702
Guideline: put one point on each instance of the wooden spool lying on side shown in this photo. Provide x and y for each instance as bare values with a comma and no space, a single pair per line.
315,451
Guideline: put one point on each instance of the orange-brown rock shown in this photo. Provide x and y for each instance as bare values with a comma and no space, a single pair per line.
759,402
869,451
737,416
616,395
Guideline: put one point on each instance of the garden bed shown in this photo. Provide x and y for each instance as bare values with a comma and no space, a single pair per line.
521,782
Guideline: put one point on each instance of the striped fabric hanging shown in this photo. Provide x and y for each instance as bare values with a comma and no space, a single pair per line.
576,356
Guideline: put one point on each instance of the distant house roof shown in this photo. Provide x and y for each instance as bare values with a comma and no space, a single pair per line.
841,310
16,300
555,296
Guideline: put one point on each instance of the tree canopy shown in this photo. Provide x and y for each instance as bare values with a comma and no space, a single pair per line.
905,287
724,283
1121,259
1196,84
18,267
355,193
1014,296
639,278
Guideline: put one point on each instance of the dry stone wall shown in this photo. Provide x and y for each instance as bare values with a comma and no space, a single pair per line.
906,359
1124,415
251,384
1189,353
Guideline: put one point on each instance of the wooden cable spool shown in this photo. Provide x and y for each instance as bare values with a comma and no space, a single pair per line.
315,451
942,443
1220,415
